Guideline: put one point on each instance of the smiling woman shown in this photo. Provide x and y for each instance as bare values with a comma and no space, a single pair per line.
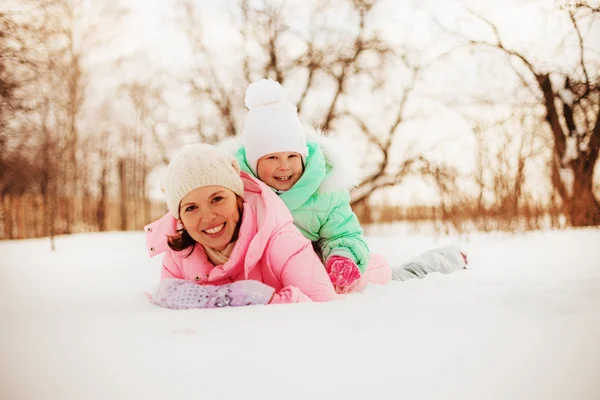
229,240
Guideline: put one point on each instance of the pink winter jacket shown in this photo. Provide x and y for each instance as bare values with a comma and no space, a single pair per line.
269,249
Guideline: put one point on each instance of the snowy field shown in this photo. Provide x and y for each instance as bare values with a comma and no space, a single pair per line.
522,323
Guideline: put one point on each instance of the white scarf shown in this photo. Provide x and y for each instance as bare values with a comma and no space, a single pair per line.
219,257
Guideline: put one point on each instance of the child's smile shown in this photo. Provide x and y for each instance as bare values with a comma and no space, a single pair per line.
280,170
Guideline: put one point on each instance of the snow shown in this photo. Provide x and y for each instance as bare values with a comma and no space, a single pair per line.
572,150
567,96
522,323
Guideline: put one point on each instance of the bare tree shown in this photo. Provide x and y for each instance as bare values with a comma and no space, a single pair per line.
9,83
47,184
78,30
327,63
571,102
20,64
206,82
46,49
149,105
382,141
148,101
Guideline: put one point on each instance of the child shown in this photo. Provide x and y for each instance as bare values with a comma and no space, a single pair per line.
313,175
309,177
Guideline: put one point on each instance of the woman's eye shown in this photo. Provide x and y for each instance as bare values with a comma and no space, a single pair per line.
190,208
217,199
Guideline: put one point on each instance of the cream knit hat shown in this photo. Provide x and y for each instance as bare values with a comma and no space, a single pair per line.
198,165
272,124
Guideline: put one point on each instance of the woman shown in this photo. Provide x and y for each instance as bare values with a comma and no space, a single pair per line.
230,241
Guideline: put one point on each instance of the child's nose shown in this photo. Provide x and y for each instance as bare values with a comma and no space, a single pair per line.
283,164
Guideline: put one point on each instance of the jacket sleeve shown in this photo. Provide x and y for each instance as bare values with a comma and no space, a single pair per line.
169,268
289,294
300,271
341,233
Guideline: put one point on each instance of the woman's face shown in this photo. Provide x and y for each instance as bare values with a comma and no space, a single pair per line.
210,215
280,170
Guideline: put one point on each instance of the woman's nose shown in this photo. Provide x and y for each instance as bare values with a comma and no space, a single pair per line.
206,214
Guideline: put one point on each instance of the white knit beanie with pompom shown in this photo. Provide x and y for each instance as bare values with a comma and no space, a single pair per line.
199,165
272,124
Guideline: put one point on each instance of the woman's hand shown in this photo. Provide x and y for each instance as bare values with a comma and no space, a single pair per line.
249,292
181,294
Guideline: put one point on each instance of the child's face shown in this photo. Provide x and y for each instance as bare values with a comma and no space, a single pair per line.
280,170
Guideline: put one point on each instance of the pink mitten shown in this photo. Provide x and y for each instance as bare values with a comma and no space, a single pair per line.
343,272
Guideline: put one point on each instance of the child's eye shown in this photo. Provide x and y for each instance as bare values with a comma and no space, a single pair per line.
293,155
190,208
272,158
217,199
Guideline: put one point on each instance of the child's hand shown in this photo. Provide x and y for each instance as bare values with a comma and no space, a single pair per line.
343,272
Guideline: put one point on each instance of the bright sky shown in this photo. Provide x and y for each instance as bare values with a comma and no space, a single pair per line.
153,30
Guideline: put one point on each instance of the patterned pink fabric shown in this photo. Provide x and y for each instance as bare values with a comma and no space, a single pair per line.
343,272
181,294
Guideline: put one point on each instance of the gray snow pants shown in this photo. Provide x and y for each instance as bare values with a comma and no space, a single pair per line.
445,259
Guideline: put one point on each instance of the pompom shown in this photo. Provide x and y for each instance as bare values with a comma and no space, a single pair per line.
265,91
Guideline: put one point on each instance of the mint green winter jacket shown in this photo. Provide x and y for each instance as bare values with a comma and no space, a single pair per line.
324,216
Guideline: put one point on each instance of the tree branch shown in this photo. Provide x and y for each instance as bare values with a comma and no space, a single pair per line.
581,52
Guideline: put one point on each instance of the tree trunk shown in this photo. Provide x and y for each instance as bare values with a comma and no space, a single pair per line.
102,203
6,216
583,208
146,198
123,187
47,184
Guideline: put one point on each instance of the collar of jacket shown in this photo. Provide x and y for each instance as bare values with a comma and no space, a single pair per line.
315,171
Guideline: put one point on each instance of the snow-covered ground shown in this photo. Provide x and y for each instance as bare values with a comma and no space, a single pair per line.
523,323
